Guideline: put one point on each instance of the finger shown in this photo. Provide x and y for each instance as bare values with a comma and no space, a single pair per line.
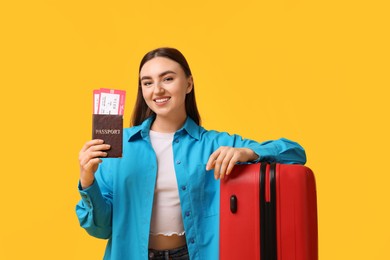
90,143
100,147
94,151
211,162
218,164
86,157
226,162
92,164
232,163
86,164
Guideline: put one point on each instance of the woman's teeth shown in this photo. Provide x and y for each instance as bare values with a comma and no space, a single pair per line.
161,100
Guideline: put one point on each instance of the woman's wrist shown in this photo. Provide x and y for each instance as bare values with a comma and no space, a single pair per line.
251,155
86,183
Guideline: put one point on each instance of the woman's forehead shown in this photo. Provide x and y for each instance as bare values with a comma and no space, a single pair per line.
158,65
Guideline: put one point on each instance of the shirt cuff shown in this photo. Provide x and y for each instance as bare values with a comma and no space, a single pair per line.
267,154
91,196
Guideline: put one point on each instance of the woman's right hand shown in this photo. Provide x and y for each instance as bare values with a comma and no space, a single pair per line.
89,160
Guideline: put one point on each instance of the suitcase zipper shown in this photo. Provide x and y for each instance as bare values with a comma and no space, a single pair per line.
268,249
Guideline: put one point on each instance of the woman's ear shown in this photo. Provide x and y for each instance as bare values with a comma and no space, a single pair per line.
190,85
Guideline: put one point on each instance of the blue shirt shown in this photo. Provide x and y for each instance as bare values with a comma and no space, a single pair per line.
118,205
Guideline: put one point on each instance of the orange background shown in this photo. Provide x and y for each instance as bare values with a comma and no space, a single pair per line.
316,72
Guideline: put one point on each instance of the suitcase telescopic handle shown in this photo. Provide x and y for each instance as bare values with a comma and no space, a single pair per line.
233,204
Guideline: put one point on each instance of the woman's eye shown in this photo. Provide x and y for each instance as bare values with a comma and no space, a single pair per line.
146,83
168,79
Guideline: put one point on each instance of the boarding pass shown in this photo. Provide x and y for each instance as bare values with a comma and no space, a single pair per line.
108,101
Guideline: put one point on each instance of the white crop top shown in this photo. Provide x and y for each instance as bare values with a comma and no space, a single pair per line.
166,215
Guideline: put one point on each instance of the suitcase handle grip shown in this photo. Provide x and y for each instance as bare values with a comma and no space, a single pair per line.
233,204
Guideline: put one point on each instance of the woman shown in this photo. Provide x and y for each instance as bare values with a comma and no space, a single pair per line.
160,200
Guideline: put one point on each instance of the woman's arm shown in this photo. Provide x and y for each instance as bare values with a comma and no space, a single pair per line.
235,149
95,207
280,151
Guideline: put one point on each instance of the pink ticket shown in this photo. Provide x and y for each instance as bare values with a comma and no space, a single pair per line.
109,101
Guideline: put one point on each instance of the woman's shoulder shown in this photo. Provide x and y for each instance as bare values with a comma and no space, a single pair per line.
214,134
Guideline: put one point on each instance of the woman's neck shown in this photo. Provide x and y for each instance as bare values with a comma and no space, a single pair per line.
168,125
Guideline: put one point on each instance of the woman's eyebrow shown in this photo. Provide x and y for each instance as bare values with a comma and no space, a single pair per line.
161,74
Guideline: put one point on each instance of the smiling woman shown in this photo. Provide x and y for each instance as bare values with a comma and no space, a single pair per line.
159,200
177,66
164,88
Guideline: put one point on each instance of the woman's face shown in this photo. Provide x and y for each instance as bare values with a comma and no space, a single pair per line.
164,87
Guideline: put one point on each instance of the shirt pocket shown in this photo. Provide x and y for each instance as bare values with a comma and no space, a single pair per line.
205,191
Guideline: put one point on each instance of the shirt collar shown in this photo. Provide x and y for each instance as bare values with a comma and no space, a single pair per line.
143,129
191,128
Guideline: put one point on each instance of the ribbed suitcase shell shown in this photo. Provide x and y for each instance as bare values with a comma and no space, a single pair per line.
296,213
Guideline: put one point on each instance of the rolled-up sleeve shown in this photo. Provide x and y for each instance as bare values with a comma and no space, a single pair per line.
94,210
280,151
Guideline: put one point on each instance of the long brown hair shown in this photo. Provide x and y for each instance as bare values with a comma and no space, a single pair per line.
141,110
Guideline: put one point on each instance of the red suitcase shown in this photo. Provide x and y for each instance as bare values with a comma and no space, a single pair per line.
268,212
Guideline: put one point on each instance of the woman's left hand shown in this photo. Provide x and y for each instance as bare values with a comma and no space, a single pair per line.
225,157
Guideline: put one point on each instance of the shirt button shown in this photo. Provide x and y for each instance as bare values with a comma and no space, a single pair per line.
183,187
178,162
188,213
177,141
192,240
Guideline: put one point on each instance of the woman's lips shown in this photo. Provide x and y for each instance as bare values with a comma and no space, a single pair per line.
161,101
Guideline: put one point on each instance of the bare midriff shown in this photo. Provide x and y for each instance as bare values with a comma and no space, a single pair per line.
162,242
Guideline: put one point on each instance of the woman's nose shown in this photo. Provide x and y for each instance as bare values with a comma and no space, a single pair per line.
158,88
